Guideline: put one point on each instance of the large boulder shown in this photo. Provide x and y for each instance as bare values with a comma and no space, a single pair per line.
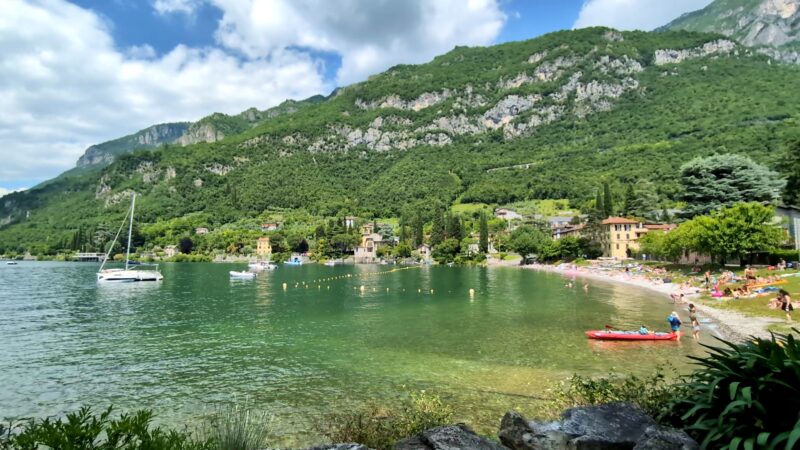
611,426
448,437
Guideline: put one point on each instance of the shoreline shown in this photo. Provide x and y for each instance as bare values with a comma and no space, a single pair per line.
730,326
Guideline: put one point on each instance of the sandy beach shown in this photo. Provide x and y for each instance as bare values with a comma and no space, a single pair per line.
728,325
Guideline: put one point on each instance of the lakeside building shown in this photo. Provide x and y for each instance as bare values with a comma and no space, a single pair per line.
507,214
170,251
367,250
350,222
424,251
201,231
568,230
620,236
263,247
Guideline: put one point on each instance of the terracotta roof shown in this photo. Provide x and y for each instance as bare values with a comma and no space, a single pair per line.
660,226
618,220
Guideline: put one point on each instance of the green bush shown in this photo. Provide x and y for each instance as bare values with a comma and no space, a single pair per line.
380,428
652,393
238,428
83,430
744,395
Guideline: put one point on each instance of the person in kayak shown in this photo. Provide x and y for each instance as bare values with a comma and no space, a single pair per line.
643,330
694,321
675,324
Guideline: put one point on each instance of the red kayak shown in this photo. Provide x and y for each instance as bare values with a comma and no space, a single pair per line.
612,335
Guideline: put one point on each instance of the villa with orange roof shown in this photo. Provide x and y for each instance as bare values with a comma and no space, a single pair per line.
619,236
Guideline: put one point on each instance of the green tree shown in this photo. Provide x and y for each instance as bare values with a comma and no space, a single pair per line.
723,180
437,228
483,232
418,227
447,250
402,250
630,198
608,200
791,164
185,245
527,240
597,213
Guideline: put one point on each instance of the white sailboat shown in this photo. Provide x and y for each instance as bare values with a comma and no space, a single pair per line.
126,275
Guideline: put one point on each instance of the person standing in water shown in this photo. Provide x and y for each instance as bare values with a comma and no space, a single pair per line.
675,324
694,321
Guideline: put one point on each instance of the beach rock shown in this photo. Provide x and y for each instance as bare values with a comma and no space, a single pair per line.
604,427
448,437
665,438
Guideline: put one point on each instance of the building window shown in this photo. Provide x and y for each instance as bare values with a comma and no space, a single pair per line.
617,246
627,235
617,235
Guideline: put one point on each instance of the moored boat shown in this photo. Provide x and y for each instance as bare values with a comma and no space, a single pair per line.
617,335
262,265
127,275
242,275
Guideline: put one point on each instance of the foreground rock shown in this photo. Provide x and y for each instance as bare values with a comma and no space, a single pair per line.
604,427
448,437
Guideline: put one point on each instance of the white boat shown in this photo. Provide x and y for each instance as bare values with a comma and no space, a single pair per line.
262,265
11,263
242,275
127,275
330,263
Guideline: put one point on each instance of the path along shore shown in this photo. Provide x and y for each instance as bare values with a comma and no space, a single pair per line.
730,325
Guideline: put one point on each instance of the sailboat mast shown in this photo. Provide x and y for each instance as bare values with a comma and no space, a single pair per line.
130,232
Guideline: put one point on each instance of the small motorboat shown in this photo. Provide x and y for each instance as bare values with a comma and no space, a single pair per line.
294,262
330,263
262,265
11,263
618,335
242,275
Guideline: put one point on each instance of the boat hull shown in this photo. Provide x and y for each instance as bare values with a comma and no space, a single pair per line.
629,336
128,276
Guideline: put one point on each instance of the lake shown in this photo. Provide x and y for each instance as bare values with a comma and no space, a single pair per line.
333,338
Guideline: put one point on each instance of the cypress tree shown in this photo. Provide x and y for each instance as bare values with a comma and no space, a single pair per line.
630,200
483,240
437,228
608,201
599,209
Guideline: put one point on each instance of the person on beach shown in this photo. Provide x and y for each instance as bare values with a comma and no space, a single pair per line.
585,287
675,324
786,304
707,277
694,321
749,275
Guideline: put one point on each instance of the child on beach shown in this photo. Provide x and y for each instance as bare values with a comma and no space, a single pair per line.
694,321
786,304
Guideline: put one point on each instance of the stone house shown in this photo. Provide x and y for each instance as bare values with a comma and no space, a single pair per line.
367,250
201,231
263,247
171,250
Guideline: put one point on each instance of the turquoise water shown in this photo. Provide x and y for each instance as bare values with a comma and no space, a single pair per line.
198,339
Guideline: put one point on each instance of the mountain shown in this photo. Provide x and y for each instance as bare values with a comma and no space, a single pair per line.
548,118
105,153
754,23
208,129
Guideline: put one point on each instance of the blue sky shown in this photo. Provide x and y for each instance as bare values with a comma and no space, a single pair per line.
81,72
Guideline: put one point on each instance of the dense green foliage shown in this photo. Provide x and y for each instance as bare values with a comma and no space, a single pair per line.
744,396
735,104
380,428
83,430
723,180
728,233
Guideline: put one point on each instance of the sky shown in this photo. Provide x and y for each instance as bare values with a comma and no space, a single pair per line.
81,72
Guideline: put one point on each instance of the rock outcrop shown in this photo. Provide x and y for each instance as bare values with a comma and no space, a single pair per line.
713,48
105,153
448,437
609,427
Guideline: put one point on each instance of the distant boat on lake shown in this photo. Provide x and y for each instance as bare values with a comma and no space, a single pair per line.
11,263
126,275
294,261
262,265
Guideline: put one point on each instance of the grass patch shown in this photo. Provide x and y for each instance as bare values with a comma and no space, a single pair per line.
238,427
379,427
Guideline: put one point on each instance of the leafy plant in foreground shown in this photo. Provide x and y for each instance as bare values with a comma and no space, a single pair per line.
83,430
744,395
238,428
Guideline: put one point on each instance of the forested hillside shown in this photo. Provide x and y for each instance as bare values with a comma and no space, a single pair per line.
546,118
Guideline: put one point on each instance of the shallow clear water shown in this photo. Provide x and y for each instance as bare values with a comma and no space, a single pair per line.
197,339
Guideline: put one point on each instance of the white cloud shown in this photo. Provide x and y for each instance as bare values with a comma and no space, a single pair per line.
65,86
369,35
634,14
176,6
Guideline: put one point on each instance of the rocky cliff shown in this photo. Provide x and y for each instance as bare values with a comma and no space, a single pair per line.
105,153
755,23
